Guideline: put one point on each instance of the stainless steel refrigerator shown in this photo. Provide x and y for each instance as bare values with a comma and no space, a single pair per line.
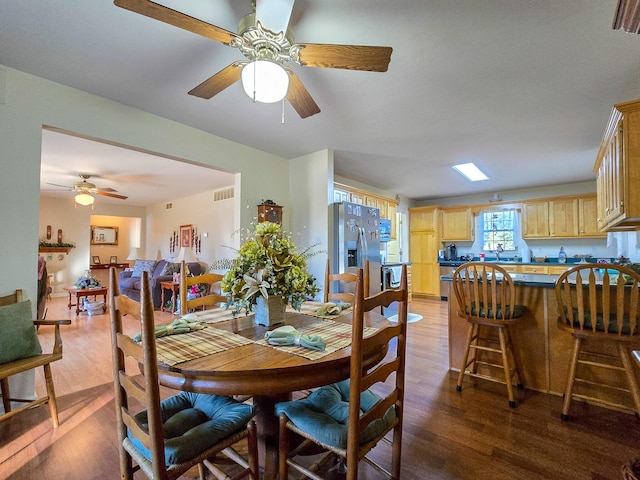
355,233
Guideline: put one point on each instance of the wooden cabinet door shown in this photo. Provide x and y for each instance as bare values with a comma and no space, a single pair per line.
424,259
612,181
423,219
535,219
341,195
588,217
457,224
563,218
392,209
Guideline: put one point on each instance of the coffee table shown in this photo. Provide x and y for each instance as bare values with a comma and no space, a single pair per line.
85,292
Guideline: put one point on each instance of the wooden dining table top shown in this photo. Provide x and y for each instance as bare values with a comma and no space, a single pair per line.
258,369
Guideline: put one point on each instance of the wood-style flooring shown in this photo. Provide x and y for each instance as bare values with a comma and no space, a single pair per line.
447,435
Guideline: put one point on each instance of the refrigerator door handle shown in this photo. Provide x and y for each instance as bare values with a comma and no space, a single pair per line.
363,246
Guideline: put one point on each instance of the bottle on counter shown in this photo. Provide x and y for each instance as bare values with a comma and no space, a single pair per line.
562,256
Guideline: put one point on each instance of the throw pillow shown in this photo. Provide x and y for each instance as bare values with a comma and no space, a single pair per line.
143,266
19,338
170,268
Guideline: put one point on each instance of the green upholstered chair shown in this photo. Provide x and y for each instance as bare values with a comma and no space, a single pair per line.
166,438
348,419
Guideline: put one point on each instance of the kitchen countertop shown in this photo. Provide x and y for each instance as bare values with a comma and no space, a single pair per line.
457,263
397,264
528,279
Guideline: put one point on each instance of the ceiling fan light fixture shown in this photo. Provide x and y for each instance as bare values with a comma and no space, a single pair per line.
84,199
265,81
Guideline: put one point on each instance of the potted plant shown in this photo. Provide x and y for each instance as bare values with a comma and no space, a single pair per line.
269,273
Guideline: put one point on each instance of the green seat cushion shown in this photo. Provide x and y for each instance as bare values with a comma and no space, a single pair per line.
194,422
19,338
518,310
324,414
613,323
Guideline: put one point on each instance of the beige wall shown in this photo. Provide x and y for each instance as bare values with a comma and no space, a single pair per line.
32,102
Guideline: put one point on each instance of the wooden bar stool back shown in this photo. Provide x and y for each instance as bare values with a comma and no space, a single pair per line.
486,298
599,304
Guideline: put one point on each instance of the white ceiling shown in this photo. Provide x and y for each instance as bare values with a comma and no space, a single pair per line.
522,88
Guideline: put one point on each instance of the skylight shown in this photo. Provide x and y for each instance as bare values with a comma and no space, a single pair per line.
470,171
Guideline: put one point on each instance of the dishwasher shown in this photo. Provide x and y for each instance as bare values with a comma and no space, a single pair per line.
445,286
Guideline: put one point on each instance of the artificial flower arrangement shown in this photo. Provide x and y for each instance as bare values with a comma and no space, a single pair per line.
87,281
269,265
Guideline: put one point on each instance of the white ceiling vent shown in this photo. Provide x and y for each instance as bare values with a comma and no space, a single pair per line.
224,194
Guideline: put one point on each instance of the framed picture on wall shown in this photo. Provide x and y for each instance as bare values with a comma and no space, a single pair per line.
96,259
113,259
186,234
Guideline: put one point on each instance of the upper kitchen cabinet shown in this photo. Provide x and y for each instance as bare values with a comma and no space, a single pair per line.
617,170
535,219
588,217
457,224
563,217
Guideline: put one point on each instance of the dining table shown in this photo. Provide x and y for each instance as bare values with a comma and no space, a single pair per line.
232,357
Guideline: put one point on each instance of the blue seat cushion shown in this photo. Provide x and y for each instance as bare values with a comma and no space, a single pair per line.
194,422
324,414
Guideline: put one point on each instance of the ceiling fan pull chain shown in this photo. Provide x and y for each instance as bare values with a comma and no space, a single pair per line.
282,110
255,72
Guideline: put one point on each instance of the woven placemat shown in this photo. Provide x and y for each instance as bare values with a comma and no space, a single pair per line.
336,335
214,315
183,347
311,308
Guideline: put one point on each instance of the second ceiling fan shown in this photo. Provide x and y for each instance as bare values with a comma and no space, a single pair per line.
265,40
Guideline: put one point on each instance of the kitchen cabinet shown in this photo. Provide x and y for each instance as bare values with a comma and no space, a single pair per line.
387,206
457,224
617,170
563,217
534,269
423,251
588,217
535,219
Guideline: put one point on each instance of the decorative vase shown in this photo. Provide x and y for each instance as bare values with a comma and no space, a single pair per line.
270,311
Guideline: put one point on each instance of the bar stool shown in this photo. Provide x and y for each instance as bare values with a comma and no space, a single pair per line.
600,304
486,299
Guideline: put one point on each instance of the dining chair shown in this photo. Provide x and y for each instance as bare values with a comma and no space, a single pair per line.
20,351
208,300
486,298
166,438
349,418
599,304
340,286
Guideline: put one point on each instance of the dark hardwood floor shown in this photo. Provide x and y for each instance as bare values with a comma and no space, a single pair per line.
447,435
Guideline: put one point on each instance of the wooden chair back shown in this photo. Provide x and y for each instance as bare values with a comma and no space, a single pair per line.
391,339
608,293
11,298
25,364
206,301
344,283
481,299
130,390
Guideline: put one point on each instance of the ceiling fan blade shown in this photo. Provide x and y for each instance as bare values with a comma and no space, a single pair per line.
299,98
350,57
63,186
218,82
113,195
274,15
178,19
108,189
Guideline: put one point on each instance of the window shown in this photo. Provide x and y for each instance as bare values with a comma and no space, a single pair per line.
499,226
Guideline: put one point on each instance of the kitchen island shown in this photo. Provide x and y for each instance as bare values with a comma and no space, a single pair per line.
543,350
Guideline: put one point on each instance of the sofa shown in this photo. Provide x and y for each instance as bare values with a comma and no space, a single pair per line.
160,271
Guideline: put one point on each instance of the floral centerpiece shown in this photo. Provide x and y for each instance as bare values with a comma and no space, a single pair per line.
87,281
269,265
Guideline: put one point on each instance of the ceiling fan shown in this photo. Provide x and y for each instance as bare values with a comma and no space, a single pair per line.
87,188
266,41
